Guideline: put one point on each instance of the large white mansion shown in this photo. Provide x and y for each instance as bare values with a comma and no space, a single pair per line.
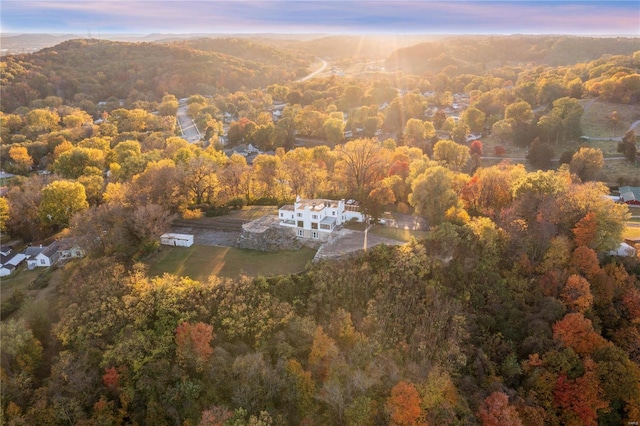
319,217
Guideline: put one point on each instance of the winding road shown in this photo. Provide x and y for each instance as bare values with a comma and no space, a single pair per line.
316,72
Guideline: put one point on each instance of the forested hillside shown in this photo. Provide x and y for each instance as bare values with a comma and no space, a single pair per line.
98,69
477,54
516,320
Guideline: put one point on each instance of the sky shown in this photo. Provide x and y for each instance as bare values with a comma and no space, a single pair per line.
102,17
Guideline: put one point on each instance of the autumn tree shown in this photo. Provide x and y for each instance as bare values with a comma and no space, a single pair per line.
540,154
576,294
576,332
193,344
21,161
627,146
432,194
403,404
474,119
61,199
495,410
587,163
451,154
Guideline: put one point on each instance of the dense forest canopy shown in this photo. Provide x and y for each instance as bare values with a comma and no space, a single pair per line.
512,310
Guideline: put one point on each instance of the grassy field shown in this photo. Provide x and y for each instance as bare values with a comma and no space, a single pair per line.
595,123
397,233
19,280
199,262
253,212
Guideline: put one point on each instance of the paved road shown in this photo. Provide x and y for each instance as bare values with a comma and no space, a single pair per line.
316,72
188,128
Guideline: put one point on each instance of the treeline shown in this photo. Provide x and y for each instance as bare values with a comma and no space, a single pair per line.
97,70
514,316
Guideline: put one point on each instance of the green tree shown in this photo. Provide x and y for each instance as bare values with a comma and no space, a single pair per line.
451,154
474,118
432,194
334,130
61,199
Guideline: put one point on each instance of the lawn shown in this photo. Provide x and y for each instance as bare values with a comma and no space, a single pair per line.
595,123
19,280
398,234
631,232
199,262
253,212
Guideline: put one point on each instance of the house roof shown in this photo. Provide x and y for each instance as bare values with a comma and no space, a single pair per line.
51,249
316,204
629,193
12,259
32,251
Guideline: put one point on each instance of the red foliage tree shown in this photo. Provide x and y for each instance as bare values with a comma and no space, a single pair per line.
400,168
111,378
496,411
193,343
476,147
576,331
580,399
404,404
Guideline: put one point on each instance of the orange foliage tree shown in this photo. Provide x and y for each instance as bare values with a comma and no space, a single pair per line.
585,230
193,343
576,332
576,294
496,411
404,404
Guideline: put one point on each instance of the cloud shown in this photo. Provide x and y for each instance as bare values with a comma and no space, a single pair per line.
346,16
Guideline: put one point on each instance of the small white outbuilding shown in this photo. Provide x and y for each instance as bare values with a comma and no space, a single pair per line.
177,240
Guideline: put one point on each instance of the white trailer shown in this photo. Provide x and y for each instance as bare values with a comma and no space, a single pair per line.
176,240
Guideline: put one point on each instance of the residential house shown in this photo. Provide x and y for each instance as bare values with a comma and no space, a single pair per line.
9,261
45,257
317,218
630,195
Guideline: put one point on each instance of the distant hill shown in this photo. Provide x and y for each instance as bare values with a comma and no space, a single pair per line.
99,69
475,54
244,48
367,46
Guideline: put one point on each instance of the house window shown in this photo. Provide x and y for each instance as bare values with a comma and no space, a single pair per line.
314,225
333,212
315,216
299,214
314,234
43,262
300,232
281,214
325,227
300,224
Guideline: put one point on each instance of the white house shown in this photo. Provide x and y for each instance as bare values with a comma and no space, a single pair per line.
319,217
178,240
42,257
9,261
